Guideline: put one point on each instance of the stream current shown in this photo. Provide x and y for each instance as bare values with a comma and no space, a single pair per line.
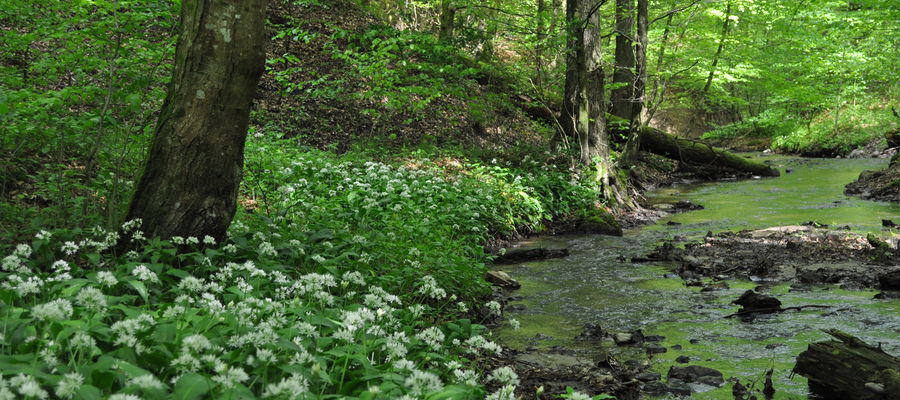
597,285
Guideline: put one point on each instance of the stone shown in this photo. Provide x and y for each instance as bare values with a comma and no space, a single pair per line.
683,359
648,376
501,279
890,280
656,349
755,302
622,339
697,373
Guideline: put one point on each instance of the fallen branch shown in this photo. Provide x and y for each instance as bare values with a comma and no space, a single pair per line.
774,310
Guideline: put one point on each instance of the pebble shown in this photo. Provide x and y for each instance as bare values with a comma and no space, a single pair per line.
656,349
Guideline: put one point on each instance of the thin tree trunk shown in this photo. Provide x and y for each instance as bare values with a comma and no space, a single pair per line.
715,61
623,75
658,92
541,36
190,181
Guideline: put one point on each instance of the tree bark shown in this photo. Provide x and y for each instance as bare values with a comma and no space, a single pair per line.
629,155
190,181
623,75
849,368
570,90
447,19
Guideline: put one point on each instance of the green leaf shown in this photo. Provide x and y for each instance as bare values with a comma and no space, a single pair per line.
88,392
191,386
140,288
165,333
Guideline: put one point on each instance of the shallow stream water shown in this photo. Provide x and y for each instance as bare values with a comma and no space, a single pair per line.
597,285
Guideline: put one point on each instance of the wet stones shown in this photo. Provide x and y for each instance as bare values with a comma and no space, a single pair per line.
890,280
698,374
682,381
683,359
752,302
629,339
648,376
655,348
591,333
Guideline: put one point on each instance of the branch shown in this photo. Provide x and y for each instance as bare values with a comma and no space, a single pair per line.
774,310
675,11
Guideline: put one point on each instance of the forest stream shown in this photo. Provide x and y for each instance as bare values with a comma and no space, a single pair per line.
596,285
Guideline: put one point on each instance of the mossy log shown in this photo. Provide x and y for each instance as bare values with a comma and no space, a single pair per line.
849,368
670,146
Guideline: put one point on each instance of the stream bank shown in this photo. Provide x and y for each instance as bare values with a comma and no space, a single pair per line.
597,288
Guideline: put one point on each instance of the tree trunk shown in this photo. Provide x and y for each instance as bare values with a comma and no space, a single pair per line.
623,75
715,61
540,42
629,155
190,181
447,19
849,369
570,90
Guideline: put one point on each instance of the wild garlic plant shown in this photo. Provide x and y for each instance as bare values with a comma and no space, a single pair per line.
186,319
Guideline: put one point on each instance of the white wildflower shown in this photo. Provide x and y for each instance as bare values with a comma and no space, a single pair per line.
507,392
22,250
229,376
421,383
123,396
69,385
28,386
107,279
69,248
145,274
505,376
267,249
191,284
91,298
56,310
432,336
293,387
147,381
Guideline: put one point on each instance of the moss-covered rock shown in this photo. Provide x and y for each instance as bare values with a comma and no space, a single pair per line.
597,221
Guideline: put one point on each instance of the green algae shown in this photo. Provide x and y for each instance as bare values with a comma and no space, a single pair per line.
596,286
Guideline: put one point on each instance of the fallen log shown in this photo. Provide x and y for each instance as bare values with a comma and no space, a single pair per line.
849,368
524,255
658,142
670,146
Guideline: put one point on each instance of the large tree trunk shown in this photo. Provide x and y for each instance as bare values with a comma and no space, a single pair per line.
190,181
667,145
622,97
849,369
